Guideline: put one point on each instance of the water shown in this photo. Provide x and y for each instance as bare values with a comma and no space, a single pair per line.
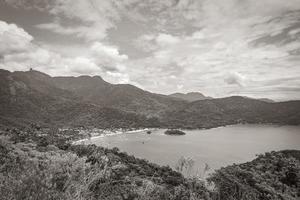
217,147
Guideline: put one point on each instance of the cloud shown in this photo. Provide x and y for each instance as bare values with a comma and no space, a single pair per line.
49,62
108,56
40,5
91,19
13,38
235,78
20,52
93,32
58,28
202,62
228,45
166,39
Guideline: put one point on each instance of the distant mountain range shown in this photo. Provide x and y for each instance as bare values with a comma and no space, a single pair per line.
190,97
196,96
32,96
233,110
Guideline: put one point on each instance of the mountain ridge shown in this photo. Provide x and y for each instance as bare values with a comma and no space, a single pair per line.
33,96
190,96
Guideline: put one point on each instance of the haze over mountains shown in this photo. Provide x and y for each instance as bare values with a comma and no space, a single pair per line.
33,96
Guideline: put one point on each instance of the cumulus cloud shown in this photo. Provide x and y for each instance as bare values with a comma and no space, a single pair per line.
49,62
166,39
13,38
235,78
108,57
19,52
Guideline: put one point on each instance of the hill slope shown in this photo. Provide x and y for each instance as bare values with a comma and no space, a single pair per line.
120,96
33,96
27,97
233,110
274,175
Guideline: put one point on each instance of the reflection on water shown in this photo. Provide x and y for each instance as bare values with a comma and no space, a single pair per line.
217,147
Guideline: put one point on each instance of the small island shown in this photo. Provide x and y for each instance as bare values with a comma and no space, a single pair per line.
174,132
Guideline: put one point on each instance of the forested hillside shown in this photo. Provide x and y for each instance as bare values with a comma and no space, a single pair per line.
36,97
233,110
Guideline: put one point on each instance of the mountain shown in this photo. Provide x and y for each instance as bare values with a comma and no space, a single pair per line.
124,97
32,96
267,100
190,97
232,110
25,96
196,96
261,99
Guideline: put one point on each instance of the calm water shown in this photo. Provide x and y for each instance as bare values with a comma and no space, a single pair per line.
217,147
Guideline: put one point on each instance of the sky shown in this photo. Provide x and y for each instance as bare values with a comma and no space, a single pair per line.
216,47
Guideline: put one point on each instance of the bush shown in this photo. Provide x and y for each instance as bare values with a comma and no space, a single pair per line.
273,176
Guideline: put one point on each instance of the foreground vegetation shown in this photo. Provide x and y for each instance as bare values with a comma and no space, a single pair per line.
272,176
39,164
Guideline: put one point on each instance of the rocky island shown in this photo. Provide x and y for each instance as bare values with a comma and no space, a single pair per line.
174,132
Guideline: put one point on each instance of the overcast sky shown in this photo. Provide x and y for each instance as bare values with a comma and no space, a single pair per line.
217,47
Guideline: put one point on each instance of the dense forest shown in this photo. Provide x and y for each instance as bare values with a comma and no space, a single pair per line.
44,164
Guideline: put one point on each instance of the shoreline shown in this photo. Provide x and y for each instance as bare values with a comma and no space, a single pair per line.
111,133
105,133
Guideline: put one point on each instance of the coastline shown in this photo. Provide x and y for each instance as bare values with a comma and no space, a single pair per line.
104,133
99,133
